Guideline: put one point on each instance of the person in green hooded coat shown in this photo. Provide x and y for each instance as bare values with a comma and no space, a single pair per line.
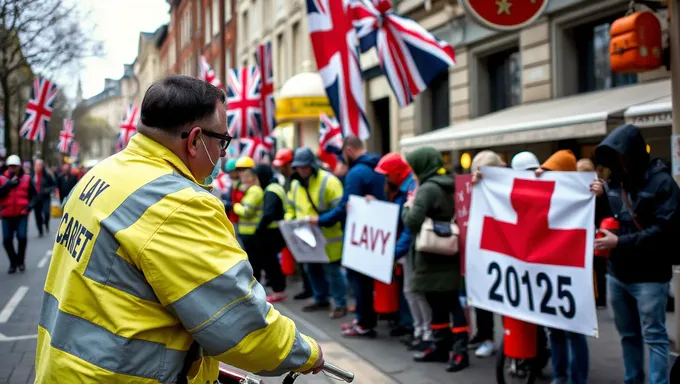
437,276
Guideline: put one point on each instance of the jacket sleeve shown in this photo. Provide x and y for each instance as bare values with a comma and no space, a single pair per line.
413,217
50,184
251,200
337,196
667,199
403,244
33,196
205,279
272,208
290,207
5,188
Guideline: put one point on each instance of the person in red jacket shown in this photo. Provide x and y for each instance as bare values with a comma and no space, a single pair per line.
17,198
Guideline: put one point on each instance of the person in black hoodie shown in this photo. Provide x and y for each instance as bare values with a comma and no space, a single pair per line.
643,197
361,180
267,232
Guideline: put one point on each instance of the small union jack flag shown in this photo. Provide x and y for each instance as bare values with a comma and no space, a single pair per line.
39,109
330,134
410,56
263,57
65,136
75,149
128,127
244,107
207,74
222,182
256,148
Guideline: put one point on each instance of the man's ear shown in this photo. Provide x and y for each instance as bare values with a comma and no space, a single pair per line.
192,141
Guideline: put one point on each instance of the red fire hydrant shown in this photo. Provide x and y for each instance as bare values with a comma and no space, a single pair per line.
612,225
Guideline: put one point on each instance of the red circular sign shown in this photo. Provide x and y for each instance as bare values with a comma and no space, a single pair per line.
505,15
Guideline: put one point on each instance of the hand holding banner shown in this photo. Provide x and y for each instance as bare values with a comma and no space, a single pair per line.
370,237
305,241
530,248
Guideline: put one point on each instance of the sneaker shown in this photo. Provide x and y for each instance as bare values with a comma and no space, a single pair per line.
12,270
358,331
338,313
302,295
486,349
276,297
22,267
476,341
316,307
347,326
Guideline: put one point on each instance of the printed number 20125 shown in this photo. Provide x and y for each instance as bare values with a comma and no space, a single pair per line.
514,293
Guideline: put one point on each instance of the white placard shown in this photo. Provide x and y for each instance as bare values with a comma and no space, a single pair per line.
370,236
530,248
305,241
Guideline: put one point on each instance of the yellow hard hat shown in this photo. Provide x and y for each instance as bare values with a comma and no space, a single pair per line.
245,162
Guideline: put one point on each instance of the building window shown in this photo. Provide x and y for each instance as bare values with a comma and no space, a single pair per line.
585,59
439,90
296,49
245,30
227,11
499,81
227,63
280,74
217,67
215,18
206,26
255,22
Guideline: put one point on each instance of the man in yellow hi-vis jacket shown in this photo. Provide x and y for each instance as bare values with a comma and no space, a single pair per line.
249,211
312,192
147,283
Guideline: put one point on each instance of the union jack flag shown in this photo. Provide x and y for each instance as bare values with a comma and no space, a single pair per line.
410,56
222,182
263,57
207,74
39,109
75,149
337,58
244,110
330,134
128,127
65,136
256,148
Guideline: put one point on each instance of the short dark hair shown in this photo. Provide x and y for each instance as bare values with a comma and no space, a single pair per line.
172,103
352,142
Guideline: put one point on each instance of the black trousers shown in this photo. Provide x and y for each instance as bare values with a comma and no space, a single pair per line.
362,287
484,321
11,227
42,215
445,305
270,243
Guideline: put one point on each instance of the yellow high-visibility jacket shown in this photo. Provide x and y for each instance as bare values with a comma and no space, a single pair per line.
249,210
144,266
326,191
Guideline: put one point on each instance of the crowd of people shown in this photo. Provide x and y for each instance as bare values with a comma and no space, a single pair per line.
25,187
638,191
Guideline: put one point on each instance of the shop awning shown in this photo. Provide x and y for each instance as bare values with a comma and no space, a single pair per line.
585,115
656,113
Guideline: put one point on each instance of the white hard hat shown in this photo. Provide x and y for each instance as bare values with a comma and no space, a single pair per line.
525,161
13,160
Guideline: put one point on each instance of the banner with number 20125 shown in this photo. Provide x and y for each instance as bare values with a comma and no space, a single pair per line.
530,248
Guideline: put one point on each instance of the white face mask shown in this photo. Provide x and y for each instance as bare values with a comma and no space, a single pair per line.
216,170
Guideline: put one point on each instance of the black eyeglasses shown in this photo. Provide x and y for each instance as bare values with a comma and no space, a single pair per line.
224,139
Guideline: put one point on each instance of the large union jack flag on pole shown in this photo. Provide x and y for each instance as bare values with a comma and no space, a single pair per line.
256,148
330,134
263,57
128,127
244,109
208,74
65,136
38,109
410,56
337,58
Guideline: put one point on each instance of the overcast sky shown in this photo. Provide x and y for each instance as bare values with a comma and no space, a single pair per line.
118,23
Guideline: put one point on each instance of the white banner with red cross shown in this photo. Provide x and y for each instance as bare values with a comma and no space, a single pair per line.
530,248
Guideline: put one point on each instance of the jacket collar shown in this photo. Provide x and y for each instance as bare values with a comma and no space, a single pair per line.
407,184
147,147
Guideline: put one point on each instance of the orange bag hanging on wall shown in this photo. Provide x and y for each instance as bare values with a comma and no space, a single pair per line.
635,43
287,262
385,297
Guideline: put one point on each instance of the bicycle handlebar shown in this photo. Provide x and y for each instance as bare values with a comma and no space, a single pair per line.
347,376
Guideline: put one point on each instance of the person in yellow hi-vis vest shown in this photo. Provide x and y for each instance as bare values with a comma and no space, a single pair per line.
147,282
268,235
249,211
312,192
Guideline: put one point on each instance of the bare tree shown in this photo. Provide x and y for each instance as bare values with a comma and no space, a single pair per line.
45,36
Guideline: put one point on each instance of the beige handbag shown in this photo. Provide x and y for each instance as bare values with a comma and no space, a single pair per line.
438,237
